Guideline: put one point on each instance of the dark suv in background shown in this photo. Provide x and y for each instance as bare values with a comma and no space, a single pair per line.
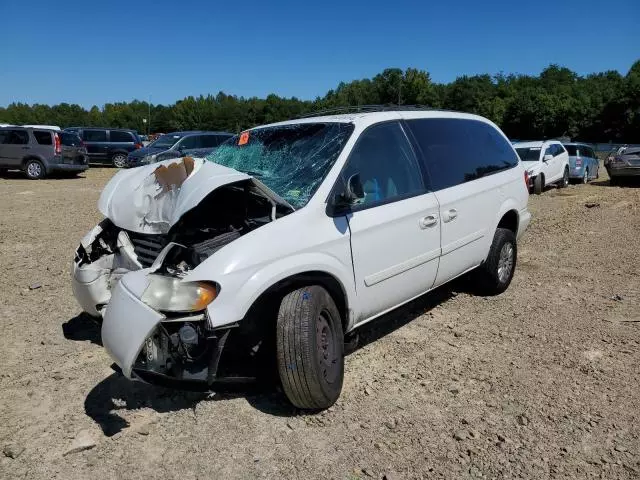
108,145
177,144
38,152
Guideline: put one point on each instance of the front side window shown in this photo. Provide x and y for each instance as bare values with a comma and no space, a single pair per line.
121,137
190,142
94,135
15,137
386,164
42,137
459,150
557,149
165,141
292,160
549,151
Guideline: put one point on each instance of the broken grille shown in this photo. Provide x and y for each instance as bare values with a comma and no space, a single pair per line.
147,247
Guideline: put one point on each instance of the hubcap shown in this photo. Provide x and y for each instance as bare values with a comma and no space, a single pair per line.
505,262
119,161
34,169
326,348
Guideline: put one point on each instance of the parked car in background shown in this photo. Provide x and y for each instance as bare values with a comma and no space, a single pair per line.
624,164
108,145
174,145
286,238
583,162
546,163
38,152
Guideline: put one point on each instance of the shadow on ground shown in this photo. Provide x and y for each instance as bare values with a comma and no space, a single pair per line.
116,392
631,182
81,328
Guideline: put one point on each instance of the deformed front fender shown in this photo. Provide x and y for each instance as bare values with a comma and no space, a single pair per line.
240,289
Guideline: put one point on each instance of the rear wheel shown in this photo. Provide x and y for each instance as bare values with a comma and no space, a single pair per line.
495,274
565,178
585,177
310,347
119,160
34,169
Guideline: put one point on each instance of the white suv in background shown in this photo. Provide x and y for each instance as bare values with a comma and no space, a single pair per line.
292,235
546,163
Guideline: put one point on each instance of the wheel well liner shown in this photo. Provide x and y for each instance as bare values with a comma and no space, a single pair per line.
509,221
272,296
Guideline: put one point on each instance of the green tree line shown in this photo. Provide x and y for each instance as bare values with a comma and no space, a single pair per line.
599,107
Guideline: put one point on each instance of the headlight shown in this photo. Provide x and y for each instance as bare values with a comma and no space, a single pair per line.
170,294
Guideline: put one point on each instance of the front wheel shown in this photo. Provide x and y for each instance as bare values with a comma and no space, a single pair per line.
565,178
34,170
119,160
310,347
495,274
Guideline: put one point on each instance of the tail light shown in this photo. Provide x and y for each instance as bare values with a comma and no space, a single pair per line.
578,162
138,145
58,144
526,179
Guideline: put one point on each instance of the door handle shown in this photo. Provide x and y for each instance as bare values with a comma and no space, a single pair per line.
428,221
450,215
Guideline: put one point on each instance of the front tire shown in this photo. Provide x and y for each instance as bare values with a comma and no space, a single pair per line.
495,274
310,345
119,160
538,184
34,169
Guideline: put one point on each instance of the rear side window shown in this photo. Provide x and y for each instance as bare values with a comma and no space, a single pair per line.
386,163
70,139
15,137
121,137
458,151
94,135
42,137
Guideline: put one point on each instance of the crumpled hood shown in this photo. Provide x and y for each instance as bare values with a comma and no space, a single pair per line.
152,198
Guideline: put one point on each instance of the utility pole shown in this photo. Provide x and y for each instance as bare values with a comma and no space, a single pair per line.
149,124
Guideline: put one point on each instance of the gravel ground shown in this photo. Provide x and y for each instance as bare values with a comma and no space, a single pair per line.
540,382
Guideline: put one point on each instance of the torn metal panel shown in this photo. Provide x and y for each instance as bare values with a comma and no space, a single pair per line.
152,198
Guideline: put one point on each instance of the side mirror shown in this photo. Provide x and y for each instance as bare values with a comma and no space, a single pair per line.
342,202
547,158
354,190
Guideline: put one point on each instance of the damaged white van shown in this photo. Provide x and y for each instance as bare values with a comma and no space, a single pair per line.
292,235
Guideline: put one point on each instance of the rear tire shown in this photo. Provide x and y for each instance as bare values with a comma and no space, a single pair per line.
494,275
565,178
585,176
34,170
310,348
119,160
538,184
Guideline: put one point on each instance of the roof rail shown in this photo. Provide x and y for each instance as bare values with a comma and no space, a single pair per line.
365,109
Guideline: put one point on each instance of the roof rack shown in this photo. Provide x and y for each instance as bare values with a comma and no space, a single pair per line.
365,109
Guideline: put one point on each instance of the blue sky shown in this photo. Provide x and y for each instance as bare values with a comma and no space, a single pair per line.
93,52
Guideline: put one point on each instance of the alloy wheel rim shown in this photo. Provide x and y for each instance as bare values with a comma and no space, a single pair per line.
505,262
119,161
326,348
34,169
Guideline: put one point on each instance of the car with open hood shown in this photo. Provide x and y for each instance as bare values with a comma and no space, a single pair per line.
546,163
623,164
289,237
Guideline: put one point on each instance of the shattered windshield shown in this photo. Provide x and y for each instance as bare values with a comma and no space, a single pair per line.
292,160
529,154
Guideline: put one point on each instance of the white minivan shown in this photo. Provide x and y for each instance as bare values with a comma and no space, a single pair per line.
292,235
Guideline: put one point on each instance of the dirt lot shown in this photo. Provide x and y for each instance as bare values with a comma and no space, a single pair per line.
540,382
